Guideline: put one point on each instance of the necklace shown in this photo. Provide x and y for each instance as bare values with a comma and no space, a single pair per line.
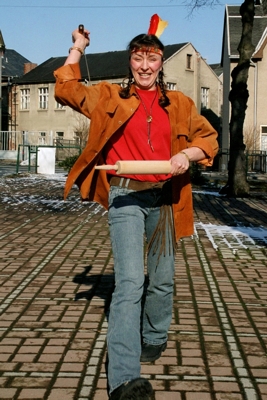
149,118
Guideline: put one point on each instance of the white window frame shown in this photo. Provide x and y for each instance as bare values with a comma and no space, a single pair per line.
25,99
43,98
42,138
263,144
205,97
171,86
60,106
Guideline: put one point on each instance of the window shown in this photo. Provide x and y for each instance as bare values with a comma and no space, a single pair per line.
42,137
264,137
205,97
43,98
189,61
171,86
25,99
77,139
60,106
60,134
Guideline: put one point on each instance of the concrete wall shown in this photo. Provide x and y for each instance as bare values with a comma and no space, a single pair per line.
8,155
190,81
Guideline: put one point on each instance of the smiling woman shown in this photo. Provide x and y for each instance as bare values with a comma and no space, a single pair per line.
145,68
140,121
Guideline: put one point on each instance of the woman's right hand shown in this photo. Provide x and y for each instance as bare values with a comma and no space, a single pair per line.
81,39
80,42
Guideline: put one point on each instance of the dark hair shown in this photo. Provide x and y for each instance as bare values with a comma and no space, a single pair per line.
145,40
137,42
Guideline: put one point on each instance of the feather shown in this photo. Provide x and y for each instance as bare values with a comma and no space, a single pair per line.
157,25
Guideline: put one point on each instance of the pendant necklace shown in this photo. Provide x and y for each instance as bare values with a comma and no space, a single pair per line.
149,118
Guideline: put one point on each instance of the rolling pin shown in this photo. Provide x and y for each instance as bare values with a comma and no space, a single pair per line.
138,167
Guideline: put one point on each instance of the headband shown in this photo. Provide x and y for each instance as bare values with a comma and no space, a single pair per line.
146,49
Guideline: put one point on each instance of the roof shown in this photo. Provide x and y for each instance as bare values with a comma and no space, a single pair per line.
13,64
109,65
217,69
234,26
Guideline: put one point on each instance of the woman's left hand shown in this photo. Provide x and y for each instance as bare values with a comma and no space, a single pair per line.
181,161
179,164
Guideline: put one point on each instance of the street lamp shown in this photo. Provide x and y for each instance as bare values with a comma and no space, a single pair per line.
2,52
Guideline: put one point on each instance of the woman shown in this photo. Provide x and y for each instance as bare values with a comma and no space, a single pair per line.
141,121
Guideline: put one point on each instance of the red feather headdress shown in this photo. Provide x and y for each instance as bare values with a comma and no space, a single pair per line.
157,25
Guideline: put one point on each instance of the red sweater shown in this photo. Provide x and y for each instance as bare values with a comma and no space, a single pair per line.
131,141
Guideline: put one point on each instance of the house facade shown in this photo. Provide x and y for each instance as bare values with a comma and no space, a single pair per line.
13,66
255,124
43,120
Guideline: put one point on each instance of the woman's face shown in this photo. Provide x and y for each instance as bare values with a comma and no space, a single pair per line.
145,68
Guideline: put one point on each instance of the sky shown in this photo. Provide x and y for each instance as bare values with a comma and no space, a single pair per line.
40,29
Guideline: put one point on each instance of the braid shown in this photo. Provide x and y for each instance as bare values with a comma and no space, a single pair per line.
137,44
125,91
164,100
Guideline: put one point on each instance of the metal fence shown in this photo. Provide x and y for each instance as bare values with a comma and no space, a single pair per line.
23,141
9,140
66,148
256,161
28,155
12,140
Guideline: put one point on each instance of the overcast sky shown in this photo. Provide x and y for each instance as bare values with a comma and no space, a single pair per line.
40,29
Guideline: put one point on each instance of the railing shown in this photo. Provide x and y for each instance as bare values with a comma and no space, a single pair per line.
256,161
28,155
23,141
66,148
9,140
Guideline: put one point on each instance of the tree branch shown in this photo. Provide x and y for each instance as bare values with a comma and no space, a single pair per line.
196,4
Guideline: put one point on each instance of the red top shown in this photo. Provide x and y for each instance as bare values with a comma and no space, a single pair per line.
131,141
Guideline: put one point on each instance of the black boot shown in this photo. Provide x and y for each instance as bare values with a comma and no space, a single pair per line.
137,389
152,352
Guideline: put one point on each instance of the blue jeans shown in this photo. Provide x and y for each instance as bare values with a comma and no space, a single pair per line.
133,214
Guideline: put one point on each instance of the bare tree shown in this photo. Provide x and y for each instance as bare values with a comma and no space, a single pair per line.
237,185
81,128
196,4
252,138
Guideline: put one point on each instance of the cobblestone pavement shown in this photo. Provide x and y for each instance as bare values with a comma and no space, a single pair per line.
56,282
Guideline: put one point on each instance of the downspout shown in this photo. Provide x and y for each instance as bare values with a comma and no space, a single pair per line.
254,65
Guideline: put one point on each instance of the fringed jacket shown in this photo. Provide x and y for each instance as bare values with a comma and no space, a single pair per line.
107,111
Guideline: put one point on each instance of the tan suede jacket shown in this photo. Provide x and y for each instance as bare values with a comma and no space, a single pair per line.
102,104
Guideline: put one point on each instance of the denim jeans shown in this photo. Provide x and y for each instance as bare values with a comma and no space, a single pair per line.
134,215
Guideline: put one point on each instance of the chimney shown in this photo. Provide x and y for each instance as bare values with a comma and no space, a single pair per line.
28,67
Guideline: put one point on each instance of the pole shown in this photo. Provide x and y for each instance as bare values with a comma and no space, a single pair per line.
0,90
2,52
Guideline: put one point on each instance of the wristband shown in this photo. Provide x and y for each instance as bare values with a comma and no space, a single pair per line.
78,49
187,156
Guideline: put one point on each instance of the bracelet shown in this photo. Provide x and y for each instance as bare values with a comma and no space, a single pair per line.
187,156
78,49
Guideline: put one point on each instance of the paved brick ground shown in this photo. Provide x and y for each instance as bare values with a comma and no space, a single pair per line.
56,282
